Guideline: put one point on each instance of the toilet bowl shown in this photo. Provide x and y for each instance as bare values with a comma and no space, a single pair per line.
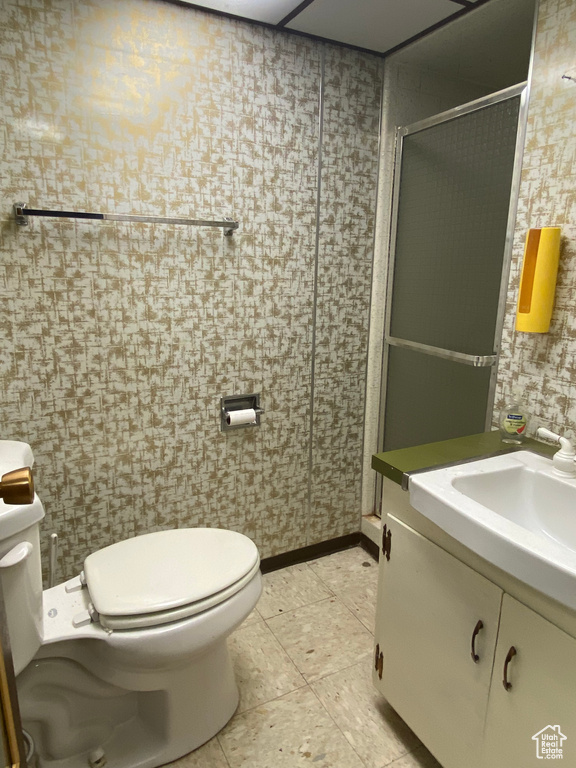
128,662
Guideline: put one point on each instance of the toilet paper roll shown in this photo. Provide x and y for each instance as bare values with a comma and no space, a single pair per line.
243,416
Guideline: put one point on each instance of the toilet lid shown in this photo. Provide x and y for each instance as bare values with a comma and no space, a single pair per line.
166,570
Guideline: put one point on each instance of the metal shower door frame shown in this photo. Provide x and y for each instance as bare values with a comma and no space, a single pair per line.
491,361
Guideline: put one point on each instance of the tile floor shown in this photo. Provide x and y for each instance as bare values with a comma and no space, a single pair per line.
303,661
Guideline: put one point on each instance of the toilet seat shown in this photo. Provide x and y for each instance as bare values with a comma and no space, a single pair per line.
169,575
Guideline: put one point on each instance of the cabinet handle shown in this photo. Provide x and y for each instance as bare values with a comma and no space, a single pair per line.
509,656
477,628
379,661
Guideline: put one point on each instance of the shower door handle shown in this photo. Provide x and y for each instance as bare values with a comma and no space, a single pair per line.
477,361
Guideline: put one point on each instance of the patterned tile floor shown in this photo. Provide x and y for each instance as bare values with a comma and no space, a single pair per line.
303,662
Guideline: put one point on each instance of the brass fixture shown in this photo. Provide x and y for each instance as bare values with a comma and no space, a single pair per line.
17,487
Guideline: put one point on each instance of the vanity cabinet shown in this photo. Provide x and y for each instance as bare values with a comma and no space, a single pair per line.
541,692
474,672
434,613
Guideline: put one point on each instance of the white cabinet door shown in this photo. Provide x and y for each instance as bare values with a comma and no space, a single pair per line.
542,696
429,606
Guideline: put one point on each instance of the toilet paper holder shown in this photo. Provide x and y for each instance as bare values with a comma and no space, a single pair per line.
238,408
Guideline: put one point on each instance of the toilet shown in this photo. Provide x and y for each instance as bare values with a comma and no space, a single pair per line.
126,664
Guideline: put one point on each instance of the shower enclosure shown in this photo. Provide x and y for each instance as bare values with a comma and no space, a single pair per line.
455,191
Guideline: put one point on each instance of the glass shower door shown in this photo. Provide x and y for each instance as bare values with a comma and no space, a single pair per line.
453,183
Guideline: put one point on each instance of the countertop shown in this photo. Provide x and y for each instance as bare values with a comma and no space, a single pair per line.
398,465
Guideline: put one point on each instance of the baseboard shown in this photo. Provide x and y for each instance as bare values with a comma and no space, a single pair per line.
370,546
321,549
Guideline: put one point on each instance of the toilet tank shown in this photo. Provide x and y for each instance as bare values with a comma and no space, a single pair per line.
20,564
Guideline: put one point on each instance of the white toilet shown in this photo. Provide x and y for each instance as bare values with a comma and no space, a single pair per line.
126,664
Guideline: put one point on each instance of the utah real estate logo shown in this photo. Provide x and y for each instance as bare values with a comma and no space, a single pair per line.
549,743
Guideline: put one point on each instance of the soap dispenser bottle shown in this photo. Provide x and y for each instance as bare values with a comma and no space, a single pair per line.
514,419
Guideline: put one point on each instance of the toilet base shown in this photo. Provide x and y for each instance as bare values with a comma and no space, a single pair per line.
72,714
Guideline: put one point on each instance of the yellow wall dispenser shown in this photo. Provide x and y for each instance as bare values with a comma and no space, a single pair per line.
538,282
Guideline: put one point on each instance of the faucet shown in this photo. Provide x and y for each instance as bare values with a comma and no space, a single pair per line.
563,460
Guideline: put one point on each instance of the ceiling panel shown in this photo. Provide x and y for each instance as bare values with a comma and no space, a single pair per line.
490,47
378,25
268,11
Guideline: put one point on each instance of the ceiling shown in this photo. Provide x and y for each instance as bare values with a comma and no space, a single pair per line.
491,47
381,26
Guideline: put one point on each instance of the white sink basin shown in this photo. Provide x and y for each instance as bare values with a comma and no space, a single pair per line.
513,511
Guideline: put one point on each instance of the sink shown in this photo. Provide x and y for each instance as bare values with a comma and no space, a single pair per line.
511,510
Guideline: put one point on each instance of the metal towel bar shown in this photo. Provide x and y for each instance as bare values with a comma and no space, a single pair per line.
21,212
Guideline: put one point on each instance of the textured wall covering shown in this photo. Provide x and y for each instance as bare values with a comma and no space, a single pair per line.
119,339
347,200
545,364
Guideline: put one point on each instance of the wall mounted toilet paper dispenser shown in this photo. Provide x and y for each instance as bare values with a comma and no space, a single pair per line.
240,411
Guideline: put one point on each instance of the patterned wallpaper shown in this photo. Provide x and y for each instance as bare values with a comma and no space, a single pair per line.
119,339
347,206
544,365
